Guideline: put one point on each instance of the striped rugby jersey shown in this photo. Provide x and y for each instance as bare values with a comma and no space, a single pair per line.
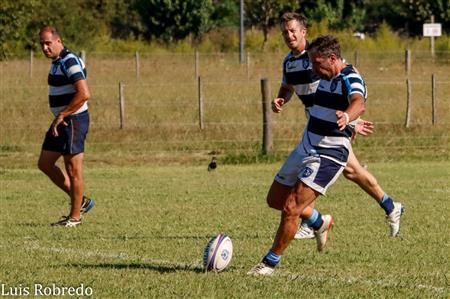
67,69
297,72
322,135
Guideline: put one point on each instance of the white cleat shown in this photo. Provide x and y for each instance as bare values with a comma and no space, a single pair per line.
322,233
261,269
394,218
304,232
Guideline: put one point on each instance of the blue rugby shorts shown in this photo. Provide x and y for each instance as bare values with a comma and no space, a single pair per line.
71,137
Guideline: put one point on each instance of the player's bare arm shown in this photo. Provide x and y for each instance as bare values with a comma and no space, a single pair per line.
355,110
284,95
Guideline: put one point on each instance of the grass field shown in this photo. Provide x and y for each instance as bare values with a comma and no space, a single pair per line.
157,206
145,237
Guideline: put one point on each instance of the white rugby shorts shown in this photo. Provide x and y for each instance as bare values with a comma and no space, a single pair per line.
315,171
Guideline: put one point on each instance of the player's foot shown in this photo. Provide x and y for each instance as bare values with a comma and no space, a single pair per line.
87,205
261,269
67,221
322,233
304,232
394,218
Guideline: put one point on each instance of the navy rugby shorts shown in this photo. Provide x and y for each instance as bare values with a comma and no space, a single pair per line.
71,137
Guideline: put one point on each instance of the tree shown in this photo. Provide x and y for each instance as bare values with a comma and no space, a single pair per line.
417,12
14,19
171,20
226,13
340,14
265,14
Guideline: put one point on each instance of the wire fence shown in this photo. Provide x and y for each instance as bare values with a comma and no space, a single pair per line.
162,111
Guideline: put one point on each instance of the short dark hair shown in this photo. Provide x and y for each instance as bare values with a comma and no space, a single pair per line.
290,16
50,29
326,45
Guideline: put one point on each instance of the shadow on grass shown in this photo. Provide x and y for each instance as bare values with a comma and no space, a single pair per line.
167,268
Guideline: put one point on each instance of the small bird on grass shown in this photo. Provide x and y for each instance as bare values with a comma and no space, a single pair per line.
213,164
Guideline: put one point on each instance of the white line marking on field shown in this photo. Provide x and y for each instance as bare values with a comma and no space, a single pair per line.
34,245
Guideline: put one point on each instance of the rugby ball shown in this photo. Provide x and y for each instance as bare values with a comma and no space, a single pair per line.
218,253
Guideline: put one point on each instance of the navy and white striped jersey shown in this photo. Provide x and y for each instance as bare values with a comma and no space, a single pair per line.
67,69
297,72
322,135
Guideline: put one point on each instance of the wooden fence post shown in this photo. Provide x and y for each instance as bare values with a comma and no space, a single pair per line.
433,100
248,65
138,64
121,105
408,103
407,62
267,132
200,104
83,56
31,63
196,64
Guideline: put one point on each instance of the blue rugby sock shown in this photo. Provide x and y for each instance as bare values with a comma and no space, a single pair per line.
271,259
387,204
315,221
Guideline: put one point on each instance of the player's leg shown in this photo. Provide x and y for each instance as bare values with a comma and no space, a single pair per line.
315,176
355,172
276,198
290,214
292,209
74,168
73,136
361,176
47,164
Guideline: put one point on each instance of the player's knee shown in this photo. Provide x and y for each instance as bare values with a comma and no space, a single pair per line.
273,202
43,166
292,209
350,173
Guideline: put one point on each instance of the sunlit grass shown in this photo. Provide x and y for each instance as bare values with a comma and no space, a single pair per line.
144,238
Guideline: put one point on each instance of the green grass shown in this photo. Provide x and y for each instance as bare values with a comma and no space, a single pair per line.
145,237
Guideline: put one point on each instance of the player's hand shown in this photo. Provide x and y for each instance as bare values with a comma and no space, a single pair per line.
277,104
364,127
56,122
342,119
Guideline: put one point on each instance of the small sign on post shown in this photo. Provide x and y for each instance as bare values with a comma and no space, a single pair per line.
431,30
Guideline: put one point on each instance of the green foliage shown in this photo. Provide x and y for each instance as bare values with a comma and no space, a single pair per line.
264,14
220,40
385,37
341,15
225,13
209,24
15,17
418,12
172,20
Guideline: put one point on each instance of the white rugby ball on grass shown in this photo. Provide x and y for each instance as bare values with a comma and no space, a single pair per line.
218,253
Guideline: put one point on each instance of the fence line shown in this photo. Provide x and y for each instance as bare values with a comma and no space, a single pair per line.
370,82
253,140
200,81
198,55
